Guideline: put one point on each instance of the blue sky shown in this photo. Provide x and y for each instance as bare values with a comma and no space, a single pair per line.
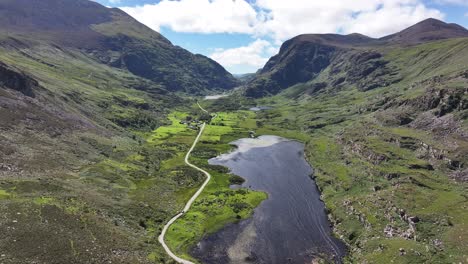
243,34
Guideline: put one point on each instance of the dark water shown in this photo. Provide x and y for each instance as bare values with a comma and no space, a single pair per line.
290,226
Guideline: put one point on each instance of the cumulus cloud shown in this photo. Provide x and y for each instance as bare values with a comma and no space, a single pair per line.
284,19
197,16
375,23
279,20
254,55
376,18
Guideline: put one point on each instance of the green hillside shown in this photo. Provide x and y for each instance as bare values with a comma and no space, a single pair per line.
83,92
111,37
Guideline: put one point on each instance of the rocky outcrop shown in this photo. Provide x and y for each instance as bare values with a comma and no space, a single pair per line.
367,70
460,175
13,79
365,152
443,101
298,61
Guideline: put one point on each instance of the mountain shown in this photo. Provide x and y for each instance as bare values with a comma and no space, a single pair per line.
112,37
303,58
427,30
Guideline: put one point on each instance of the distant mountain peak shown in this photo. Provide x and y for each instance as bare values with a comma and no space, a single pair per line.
427,30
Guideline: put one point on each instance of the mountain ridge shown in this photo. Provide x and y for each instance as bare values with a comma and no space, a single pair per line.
427,30
303,57
436,29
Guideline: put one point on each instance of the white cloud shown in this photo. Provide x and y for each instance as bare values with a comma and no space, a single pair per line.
279,20
199,16
376,18
254,55
115,1
376,23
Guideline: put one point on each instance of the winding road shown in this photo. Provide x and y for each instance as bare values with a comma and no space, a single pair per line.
190,202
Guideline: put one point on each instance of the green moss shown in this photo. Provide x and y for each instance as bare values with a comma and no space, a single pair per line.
4,194
171,130
44,200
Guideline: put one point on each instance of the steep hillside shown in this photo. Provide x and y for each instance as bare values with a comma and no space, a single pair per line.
76,169
304,57
387,133
85,95
112,37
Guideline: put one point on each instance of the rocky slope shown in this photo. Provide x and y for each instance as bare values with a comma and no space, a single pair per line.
13,79
111,37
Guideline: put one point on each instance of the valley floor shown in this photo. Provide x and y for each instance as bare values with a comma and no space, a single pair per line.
386,201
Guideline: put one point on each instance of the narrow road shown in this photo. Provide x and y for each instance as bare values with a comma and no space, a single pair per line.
202,108
190,202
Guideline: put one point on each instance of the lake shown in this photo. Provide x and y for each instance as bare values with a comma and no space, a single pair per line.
214,97
290,226
259,108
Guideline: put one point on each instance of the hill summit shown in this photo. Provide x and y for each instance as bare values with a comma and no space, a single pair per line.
428,30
